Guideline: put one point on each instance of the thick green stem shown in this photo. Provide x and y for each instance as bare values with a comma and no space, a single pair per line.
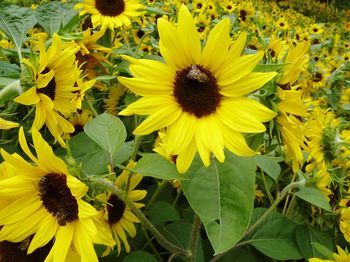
194,237
156,193
145,222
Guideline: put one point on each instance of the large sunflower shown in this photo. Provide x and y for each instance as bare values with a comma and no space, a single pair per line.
110,13
115,218
48,204
55,74
197,95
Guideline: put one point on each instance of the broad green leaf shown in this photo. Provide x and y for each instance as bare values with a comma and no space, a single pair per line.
268,165
179,233
93,158
10,91
314,196
52,15
306,235
124,152
321,249
16,21
222,195
154,165
9,71
108,132
244,253
137,256
275,236
161,212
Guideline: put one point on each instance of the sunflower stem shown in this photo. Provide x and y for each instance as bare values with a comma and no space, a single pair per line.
93,110
156,194
144,221
194,237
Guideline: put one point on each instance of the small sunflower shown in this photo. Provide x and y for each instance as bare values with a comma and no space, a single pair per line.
296,61
110,13
116,218
198,95
56,75
48,204
321,133
113,100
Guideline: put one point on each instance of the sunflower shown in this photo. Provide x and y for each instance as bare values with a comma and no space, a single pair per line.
48,204
321,133
115,218
110,13
6,124
198,95
113,100
56,76
296,61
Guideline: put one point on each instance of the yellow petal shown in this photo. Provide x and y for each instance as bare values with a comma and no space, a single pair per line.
20,209
45,233
63,240
144,87
244,114
209,132
247,84
170,47
184,159
30,97
238,69
163,118
147,105
235,142
189,35
83,243
181,133
216,48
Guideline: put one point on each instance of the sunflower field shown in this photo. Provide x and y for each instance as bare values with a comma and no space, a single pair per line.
175,130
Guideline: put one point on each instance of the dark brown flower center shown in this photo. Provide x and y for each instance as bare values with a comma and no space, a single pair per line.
110,7
318,77
115,208
57,198
196,91
50,89
10,251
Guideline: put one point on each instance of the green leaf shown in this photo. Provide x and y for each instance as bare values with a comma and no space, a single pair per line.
275,236
222,195
52,15
124,152
9,70
179,233
137,256
161,212
307,237
268,67
154,165
15,21
10,91
321,249
314,196
93,158
108,132
268,165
